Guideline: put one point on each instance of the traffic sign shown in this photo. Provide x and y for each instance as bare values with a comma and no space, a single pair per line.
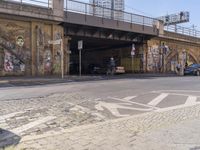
133,50
80,44
132,53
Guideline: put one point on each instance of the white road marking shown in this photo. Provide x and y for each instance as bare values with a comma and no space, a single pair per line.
113,108
7,116
129,98
32,124
180,94
158,99
174,107
191,100
19,130
140,104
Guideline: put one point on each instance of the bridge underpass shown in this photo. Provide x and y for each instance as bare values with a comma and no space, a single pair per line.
37,25
100,44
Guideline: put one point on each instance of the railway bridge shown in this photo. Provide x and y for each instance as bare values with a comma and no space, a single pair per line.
27,27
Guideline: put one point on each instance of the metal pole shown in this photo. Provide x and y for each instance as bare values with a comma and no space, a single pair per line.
62,59
80,62
132,63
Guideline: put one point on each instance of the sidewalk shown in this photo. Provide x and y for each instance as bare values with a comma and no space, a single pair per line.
9,81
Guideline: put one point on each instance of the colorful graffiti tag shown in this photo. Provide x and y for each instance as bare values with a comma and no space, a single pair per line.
11,63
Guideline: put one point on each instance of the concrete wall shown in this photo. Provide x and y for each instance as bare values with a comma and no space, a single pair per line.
24,48
158,60
32,11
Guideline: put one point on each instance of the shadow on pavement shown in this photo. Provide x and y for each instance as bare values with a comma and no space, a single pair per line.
8,139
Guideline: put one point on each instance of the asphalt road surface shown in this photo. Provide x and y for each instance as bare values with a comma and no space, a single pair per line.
32,111
119,97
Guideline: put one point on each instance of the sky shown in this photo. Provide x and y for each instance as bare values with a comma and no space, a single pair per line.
156,8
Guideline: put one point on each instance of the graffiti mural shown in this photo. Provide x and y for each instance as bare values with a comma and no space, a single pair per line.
57,62
15,47
8,65
154,58
47,61
11,63
57,54
20,41
24,48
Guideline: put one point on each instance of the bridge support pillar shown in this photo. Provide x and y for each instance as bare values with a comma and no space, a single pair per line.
67,53
58,8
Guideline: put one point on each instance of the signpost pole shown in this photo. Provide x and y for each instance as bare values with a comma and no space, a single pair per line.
80,62
80,47
62,59
132,63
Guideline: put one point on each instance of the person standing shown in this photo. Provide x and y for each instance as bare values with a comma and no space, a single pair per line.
111,66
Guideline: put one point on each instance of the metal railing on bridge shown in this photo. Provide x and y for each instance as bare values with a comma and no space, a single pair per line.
183,30
95,10
103,12
41,3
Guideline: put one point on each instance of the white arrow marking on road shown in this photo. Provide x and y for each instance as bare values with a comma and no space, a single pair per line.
140,104
113,108
191,100
158,99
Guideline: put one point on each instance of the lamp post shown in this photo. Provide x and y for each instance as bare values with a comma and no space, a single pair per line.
80,47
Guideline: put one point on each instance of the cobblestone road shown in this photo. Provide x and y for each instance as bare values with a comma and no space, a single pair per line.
105,115
121,134
60,122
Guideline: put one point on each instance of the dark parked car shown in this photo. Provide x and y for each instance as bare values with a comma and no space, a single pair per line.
193,69
96,69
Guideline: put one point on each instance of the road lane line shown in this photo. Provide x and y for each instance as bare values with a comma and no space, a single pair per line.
140,104
129,98
158,99
191,100
175,107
